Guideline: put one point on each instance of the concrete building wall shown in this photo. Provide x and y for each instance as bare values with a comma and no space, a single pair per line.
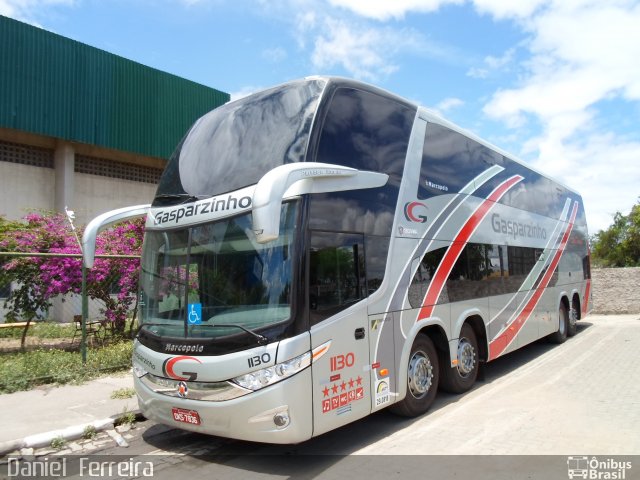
96,195
23,187
616,290
41,173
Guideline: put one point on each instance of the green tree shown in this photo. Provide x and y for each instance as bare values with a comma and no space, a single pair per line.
619,245
37,280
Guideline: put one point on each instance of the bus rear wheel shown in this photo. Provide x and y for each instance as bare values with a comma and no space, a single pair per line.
560,336
574,315
461,378
422,379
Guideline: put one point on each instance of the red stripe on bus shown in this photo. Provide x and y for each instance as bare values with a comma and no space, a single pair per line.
454,250
500,343
585,304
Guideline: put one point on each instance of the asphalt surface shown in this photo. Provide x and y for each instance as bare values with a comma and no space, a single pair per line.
536,409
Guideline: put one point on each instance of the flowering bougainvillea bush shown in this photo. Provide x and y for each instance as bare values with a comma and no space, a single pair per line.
40,279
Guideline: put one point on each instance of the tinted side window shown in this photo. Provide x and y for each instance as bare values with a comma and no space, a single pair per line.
450,161
366,131
519,262
336,273
466,280
423,277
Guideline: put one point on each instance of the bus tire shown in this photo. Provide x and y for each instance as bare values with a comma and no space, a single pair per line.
560,336
574,314
422,379
461,378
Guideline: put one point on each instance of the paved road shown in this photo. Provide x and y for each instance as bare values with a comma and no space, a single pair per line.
578,398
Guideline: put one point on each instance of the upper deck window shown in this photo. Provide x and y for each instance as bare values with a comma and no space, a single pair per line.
366,131
236,144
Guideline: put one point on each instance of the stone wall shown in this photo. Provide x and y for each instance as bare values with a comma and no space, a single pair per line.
616,290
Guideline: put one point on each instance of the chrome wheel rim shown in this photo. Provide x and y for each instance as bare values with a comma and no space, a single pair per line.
420,374
466,357
573,316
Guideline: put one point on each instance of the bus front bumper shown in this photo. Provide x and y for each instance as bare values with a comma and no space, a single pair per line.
279,413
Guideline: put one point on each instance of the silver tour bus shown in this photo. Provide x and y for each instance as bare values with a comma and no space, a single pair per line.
324,249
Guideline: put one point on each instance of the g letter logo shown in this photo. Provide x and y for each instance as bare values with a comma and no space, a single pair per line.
411,212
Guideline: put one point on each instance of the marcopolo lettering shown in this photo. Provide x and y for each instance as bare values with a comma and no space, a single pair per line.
213,205
183,348
517,229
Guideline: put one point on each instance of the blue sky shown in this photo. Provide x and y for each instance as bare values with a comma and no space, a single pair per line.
555,82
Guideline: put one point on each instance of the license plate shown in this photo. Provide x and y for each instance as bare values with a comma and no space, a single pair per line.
185,416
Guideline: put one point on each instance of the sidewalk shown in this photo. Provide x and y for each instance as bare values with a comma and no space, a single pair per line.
33,418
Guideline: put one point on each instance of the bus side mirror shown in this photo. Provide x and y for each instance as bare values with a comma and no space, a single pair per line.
297,179
103,221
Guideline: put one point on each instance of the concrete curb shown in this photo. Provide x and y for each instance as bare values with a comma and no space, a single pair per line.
69,433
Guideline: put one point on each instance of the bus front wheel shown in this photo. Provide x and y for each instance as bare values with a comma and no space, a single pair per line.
422,379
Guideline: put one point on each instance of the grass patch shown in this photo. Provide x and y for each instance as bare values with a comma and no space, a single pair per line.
58,443
40,330
25,370
89,432
123,393
47,329
126,418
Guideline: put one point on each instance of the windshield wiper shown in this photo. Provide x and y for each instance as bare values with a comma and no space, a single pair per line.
261,339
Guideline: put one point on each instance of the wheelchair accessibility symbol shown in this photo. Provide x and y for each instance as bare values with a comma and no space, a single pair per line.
195,314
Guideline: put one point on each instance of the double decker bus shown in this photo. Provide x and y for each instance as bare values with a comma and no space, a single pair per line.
324,249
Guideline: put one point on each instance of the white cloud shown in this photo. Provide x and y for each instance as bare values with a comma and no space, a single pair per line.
605,169
448,104
29,10
363,51
244,92
387,9
501,9
581,54
274,55
491,64
340,36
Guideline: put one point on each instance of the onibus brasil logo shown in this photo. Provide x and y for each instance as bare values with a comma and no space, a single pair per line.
596,469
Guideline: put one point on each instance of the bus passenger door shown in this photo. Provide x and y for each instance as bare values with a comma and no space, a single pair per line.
338,314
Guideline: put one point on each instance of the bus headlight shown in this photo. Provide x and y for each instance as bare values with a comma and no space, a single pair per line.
270,375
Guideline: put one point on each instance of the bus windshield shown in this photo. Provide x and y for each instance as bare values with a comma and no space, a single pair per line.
215,280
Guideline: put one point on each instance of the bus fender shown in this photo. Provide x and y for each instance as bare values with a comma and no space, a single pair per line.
406,351
561,295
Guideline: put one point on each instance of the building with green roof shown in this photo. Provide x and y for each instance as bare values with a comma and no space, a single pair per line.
84,128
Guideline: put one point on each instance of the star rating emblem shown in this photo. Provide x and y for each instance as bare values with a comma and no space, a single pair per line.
325,392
